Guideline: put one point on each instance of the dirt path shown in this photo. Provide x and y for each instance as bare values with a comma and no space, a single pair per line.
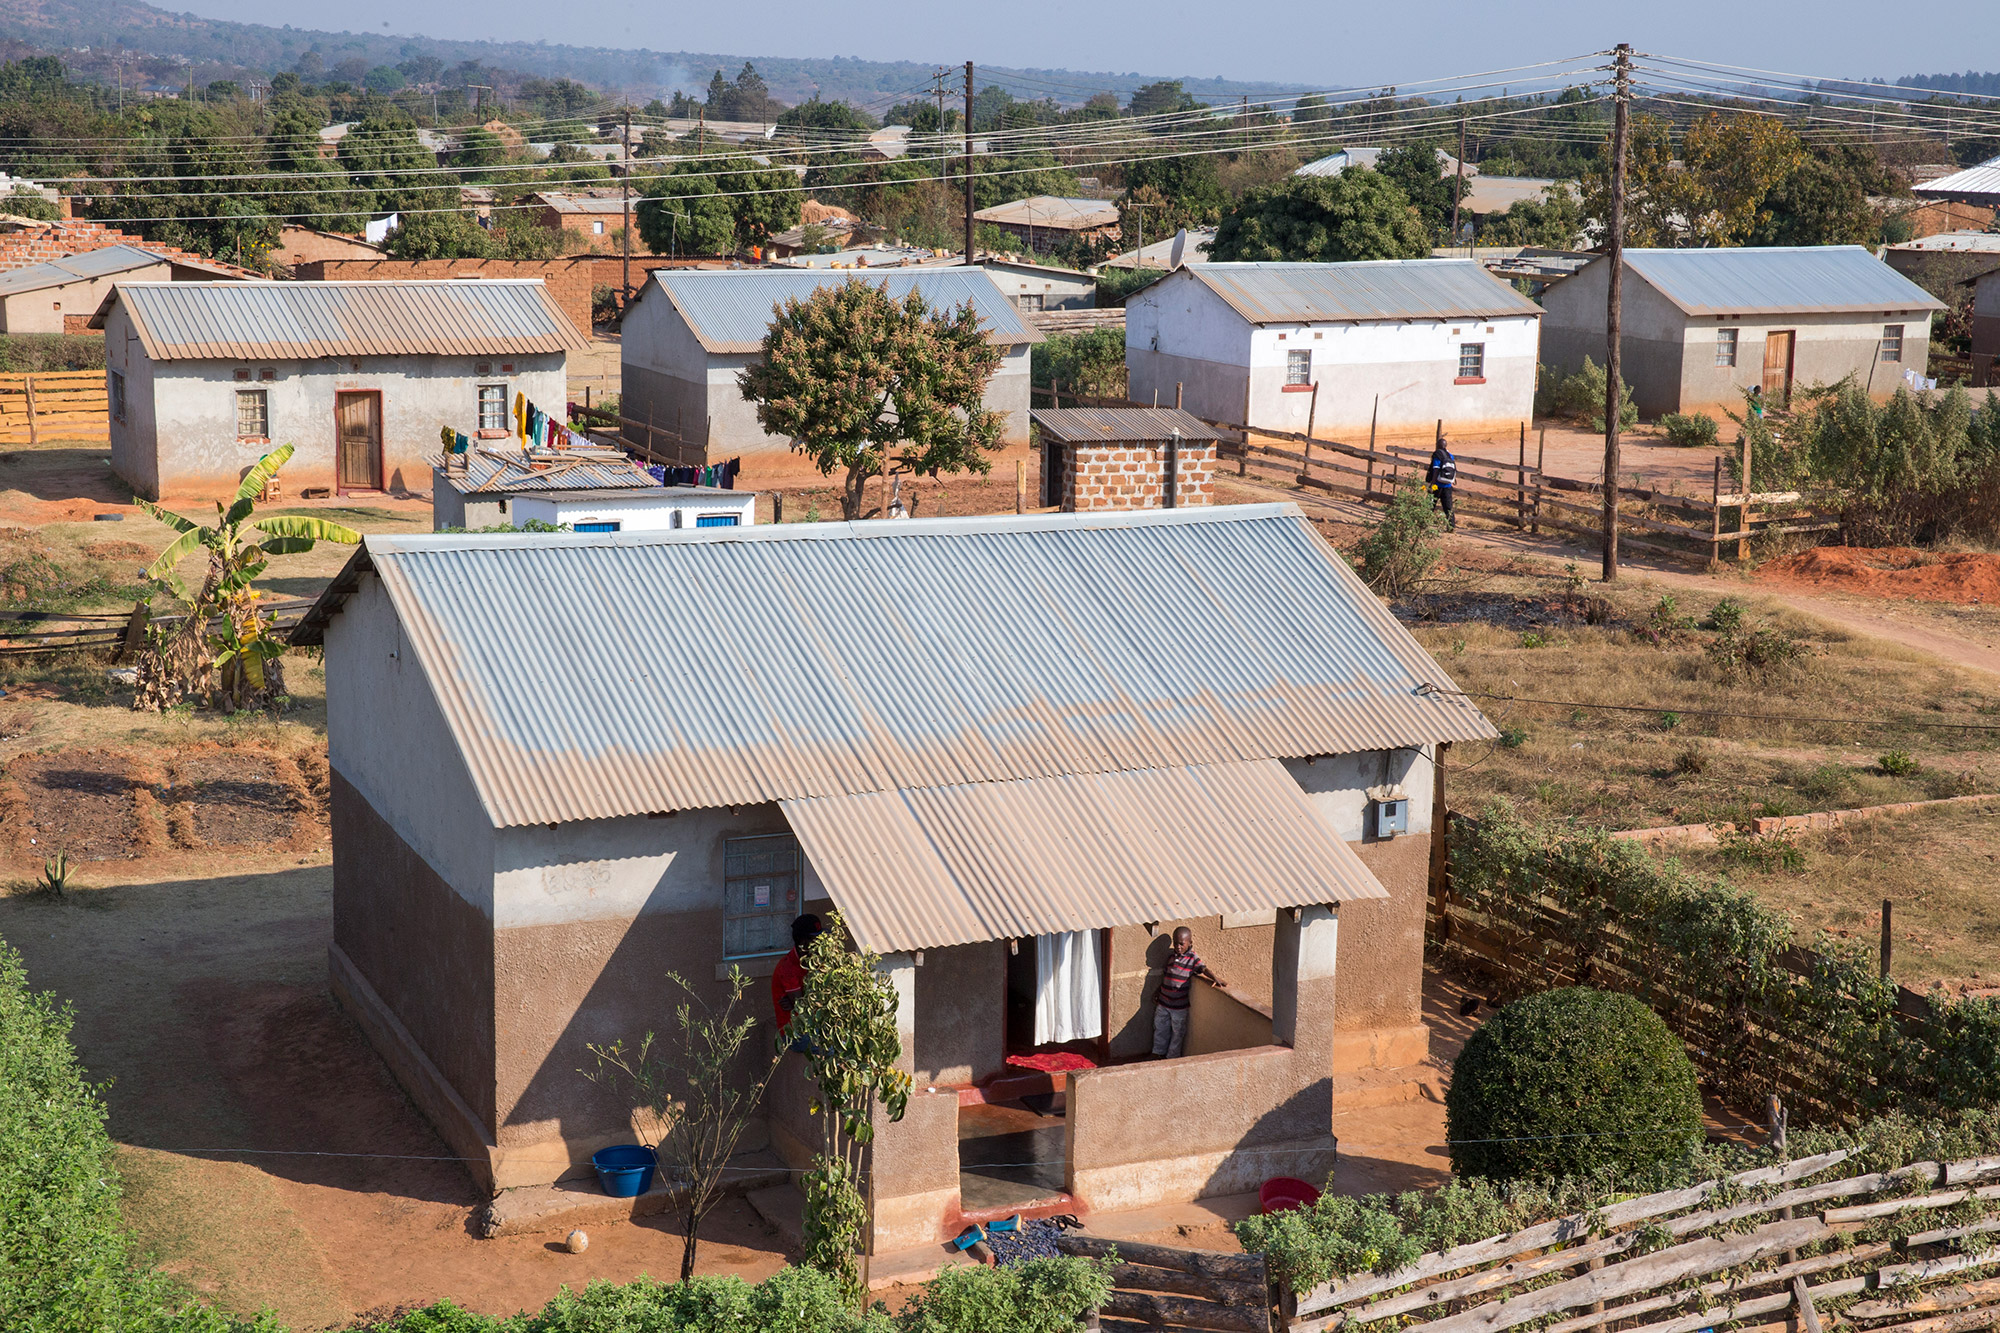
1965,636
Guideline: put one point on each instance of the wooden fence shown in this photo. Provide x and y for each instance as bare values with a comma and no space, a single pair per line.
656,444
1890,1255
1747,1051
1158,1287
62,405
23,633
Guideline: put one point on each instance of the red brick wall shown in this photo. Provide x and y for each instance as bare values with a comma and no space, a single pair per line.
59,240
1133,476
569,280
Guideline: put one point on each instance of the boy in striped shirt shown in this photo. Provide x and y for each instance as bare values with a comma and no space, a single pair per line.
1170,1002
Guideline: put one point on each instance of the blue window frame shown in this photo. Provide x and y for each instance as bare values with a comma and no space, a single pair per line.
595,527
715,520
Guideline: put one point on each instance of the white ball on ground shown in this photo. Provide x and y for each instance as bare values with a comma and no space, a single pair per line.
577,1243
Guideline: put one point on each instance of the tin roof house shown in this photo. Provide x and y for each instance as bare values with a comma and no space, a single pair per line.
502,482
554,782
1701,326
204,378
689,333
1383,347
60,295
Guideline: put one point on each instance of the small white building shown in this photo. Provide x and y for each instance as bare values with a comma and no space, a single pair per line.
689,333
1698,327
477,490
662,509
60,295
1390,347
204,378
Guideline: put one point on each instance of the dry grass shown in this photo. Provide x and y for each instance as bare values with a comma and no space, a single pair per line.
1938,866
1664,761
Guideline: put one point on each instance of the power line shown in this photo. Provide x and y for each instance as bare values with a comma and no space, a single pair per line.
1689,710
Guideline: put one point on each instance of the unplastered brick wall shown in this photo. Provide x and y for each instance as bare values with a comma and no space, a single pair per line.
568,280
1134,476
59,240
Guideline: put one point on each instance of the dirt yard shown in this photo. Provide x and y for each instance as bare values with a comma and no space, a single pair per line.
1968,578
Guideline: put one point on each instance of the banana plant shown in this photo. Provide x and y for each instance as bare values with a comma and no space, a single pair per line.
242,651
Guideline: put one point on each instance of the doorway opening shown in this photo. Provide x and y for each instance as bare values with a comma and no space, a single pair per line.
1779,347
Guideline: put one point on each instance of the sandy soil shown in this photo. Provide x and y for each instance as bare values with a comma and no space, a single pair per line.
1967,578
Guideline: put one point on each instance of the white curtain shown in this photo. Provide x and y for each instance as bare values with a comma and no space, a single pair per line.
1069,988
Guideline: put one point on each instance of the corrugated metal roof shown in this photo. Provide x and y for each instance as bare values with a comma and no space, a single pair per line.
730,310
929,867
1048,210
1974,185
1973,241
510,471
1369,289
588,203
86,267
594,675
1096,425
237,321
1777,280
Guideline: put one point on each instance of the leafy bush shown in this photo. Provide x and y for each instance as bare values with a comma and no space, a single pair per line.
37,353
1695,430
1569,1082
1405,544
1115,284
1581,395
1513,738
1725,616
1899,764
1695,945
1091,363
1038,1296
1758,654
1763,853
1826,782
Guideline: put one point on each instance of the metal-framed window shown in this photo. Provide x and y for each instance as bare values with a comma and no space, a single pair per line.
1892,342
1725,346
716,520
1472,361
762,887
253,414
1299,366
597,525
117,396
492,407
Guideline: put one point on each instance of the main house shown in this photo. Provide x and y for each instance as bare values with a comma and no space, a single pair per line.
1699,327
1385,347
689,334
564,766
204,378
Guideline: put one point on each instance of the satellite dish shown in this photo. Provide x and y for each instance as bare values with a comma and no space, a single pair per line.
1180,247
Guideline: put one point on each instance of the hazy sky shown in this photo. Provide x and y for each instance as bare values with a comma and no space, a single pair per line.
1314,41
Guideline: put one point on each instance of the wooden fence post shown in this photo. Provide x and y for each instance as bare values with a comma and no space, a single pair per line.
1715,516
1541,452
1521,483
1020,485
777,506
1887,908
1177,395
1743,514
1312,414
29,387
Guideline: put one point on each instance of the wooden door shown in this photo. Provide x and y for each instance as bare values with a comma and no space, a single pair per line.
358,422
1778,366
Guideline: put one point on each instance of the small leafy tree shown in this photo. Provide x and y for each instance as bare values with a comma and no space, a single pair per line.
1405,544
1358,214
858,381
693,1086
846,1024
237,661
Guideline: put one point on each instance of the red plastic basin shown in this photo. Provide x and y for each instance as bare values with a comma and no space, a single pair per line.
1282,1192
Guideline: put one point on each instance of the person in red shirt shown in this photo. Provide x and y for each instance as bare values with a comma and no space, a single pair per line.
788,981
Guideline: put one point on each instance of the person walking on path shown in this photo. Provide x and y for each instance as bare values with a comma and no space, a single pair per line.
1170,1002
1441,476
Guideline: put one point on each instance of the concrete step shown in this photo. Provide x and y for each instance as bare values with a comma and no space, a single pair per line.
1363,1088
579,1202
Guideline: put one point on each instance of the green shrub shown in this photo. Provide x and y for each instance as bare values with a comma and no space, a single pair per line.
1038,1296
1405,544
1826,782
1090,363
1581,395
1690,430
40,353
1726,616
1759,654
1899,764
1569,1082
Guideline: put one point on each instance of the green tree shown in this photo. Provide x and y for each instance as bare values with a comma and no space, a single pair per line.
1419,173
479,147
26,203
1160,99
1311,111
817,115
693,1085
857,381
1186,192
680,212
846,1023
237,662
383,159
1406,543
449,234
1322,219
1825,200
1555,221
1571,1082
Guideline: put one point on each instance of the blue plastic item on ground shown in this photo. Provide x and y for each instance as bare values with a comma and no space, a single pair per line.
625,1170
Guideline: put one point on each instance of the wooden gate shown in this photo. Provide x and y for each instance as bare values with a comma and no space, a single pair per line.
61,405
1162,1288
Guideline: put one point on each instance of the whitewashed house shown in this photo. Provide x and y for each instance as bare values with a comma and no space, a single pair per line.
689,333
1388,347
497,484
204,378
1700,326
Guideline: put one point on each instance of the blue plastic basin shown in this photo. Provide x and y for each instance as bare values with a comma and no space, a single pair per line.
625,1170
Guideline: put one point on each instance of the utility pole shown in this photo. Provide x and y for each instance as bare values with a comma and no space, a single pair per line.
968,162
625,268
1459,193
1621,64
